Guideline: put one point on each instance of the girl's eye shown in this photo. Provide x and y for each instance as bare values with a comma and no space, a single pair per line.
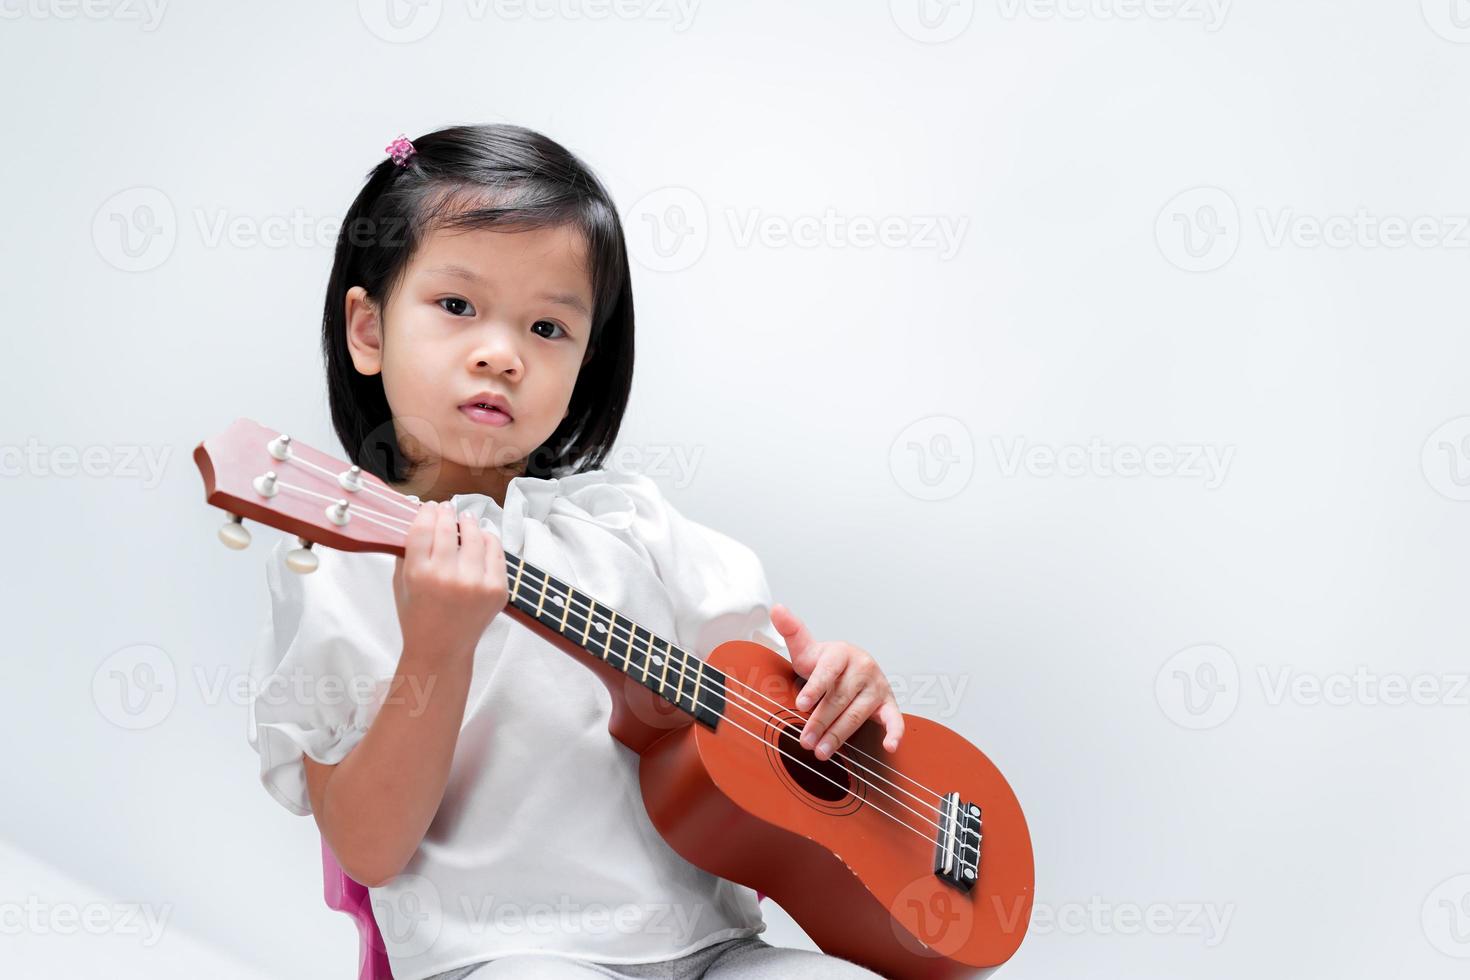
456,306
550,323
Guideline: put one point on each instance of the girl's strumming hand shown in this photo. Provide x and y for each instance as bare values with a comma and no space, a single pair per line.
843,683
449,583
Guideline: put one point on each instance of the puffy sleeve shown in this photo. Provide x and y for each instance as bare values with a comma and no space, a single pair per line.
325,654
718,585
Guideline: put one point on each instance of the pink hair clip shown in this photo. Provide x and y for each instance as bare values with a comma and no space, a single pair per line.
400,150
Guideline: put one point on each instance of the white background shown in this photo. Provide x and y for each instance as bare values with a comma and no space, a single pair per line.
1230,698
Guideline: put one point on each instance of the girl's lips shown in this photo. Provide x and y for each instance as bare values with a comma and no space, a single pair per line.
486,416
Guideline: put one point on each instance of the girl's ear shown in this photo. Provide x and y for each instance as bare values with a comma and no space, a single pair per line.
364,331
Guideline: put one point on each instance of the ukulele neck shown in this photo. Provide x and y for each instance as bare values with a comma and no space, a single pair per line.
678,677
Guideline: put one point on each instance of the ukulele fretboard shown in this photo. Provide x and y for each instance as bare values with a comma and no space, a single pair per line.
678,677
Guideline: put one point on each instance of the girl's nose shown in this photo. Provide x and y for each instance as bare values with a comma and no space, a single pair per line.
498,354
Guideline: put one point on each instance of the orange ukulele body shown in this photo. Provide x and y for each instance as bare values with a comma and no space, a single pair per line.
913,863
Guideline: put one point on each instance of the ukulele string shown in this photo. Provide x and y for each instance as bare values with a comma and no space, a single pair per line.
413,508
755,711
632,638
845,755
756,714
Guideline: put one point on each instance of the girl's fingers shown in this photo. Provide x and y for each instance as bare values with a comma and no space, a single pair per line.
829,666
472,546
840,696
446,530
856,713
420,534
892,719
494,557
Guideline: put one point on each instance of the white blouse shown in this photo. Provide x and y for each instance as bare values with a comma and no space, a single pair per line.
541,843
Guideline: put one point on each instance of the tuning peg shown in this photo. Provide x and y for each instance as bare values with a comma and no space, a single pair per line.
235,534
351,479
302,560
280,447
337,513
265,484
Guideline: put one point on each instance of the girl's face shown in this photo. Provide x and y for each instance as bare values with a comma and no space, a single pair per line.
477,313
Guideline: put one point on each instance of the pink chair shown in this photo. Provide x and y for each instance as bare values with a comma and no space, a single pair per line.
345,895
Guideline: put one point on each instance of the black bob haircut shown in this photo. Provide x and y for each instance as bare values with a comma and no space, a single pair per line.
491,176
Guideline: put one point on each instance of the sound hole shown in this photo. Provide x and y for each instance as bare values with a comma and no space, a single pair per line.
830,782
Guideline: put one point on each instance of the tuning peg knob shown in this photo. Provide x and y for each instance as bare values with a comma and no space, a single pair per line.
265,485
351,479
302,560
280,447
235,534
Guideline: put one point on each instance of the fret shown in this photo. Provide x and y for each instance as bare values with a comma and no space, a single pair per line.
541,601
698,677
520,567
637,656
637,645
588,627
679,689
663,678
647,655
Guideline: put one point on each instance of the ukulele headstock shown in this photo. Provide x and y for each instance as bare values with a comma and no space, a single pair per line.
251,471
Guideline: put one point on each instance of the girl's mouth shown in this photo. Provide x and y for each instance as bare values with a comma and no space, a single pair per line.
485,415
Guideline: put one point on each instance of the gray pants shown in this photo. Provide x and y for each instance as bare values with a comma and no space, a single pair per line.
750,958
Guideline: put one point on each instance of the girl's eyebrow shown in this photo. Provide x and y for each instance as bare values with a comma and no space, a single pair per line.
565,299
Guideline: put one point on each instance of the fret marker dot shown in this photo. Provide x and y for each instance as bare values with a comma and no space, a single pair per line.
599,627
556,600
657,660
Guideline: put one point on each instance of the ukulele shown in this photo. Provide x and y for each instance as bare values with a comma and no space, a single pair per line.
875,854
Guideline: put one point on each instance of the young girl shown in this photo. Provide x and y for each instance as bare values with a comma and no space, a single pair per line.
478,337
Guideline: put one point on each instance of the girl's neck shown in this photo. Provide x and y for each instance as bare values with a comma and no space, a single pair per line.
444,479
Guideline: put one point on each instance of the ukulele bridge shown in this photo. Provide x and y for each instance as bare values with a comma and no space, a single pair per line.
957,846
